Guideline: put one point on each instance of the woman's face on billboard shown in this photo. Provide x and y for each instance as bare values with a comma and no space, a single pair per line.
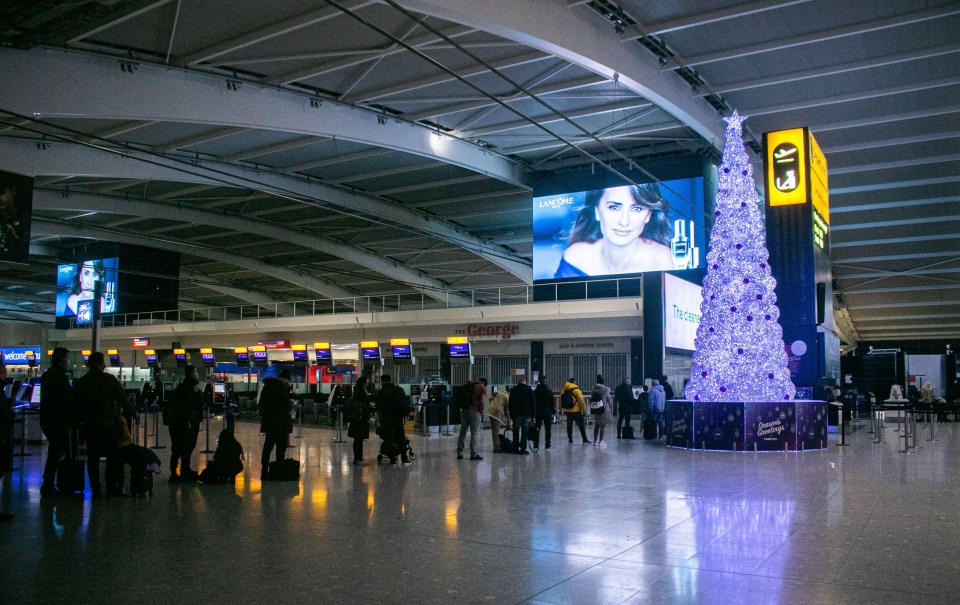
88,275
621,218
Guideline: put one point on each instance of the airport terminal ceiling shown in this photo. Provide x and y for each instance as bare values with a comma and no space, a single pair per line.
299,150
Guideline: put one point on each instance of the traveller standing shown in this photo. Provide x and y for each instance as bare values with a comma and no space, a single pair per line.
185,412
470,420
522,408
275,422
575,414
600,393
393,408
543,416
657,401
101,400
625,403
56,418
7,418
359,428
667,389
499,412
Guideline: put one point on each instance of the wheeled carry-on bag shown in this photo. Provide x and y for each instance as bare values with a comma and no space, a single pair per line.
284,470
70,470
627,433
649,429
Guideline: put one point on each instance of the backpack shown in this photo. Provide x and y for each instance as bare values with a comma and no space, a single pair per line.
463,395
567,401
596,396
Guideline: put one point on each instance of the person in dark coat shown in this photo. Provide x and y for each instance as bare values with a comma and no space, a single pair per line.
56,418
359,428
393,408
625,402
7,418
101,400
275,422
522,408
545,408
667,389
185,411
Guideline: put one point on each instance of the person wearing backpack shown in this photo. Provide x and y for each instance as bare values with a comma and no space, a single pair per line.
573,398
601,408
359,419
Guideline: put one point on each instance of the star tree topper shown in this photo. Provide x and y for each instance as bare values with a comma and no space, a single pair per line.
739,352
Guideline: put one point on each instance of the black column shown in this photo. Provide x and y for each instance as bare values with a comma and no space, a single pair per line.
652,327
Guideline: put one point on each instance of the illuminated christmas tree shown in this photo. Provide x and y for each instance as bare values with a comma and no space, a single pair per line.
739,348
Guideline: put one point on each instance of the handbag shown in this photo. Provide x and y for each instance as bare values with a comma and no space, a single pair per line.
598,411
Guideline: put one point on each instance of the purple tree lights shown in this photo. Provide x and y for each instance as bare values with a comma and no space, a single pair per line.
739,347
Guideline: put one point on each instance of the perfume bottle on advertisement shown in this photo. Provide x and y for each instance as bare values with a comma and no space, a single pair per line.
694,255
679,245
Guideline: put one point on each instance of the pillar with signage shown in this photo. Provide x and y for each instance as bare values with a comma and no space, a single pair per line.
798,238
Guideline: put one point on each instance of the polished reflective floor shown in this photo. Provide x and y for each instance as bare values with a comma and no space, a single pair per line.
630,523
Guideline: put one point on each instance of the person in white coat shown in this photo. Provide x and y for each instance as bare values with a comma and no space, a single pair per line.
601,408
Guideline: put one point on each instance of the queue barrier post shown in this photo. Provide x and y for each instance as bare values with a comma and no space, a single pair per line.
843,426
156,432
448,433
206,411
339,438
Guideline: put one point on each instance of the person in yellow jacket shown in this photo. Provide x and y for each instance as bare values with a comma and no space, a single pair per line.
574,414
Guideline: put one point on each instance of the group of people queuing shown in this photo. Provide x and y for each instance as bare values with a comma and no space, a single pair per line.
97,412
97,405
528,412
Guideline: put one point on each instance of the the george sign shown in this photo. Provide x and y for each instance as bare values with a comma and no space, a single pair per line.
141,343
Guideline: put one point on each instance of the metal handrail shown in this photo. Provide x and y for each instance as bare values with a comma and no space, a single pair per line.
414,301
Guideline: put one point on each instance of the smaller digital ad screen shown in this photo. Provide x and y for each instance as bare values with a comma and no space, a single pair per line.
681,312
260,357
459,351
371,354
324,356
75,288
207,358
300,355
181,359
401,352
243,359
151,359
114,360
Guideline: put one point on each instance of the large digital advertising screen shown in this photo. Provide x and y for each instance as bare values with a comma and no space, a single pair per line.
681,312
619,230
75,285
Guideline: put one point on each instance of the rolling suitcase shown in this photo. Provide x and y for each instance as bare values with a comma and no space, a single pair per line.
627,433
70,470
649,429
